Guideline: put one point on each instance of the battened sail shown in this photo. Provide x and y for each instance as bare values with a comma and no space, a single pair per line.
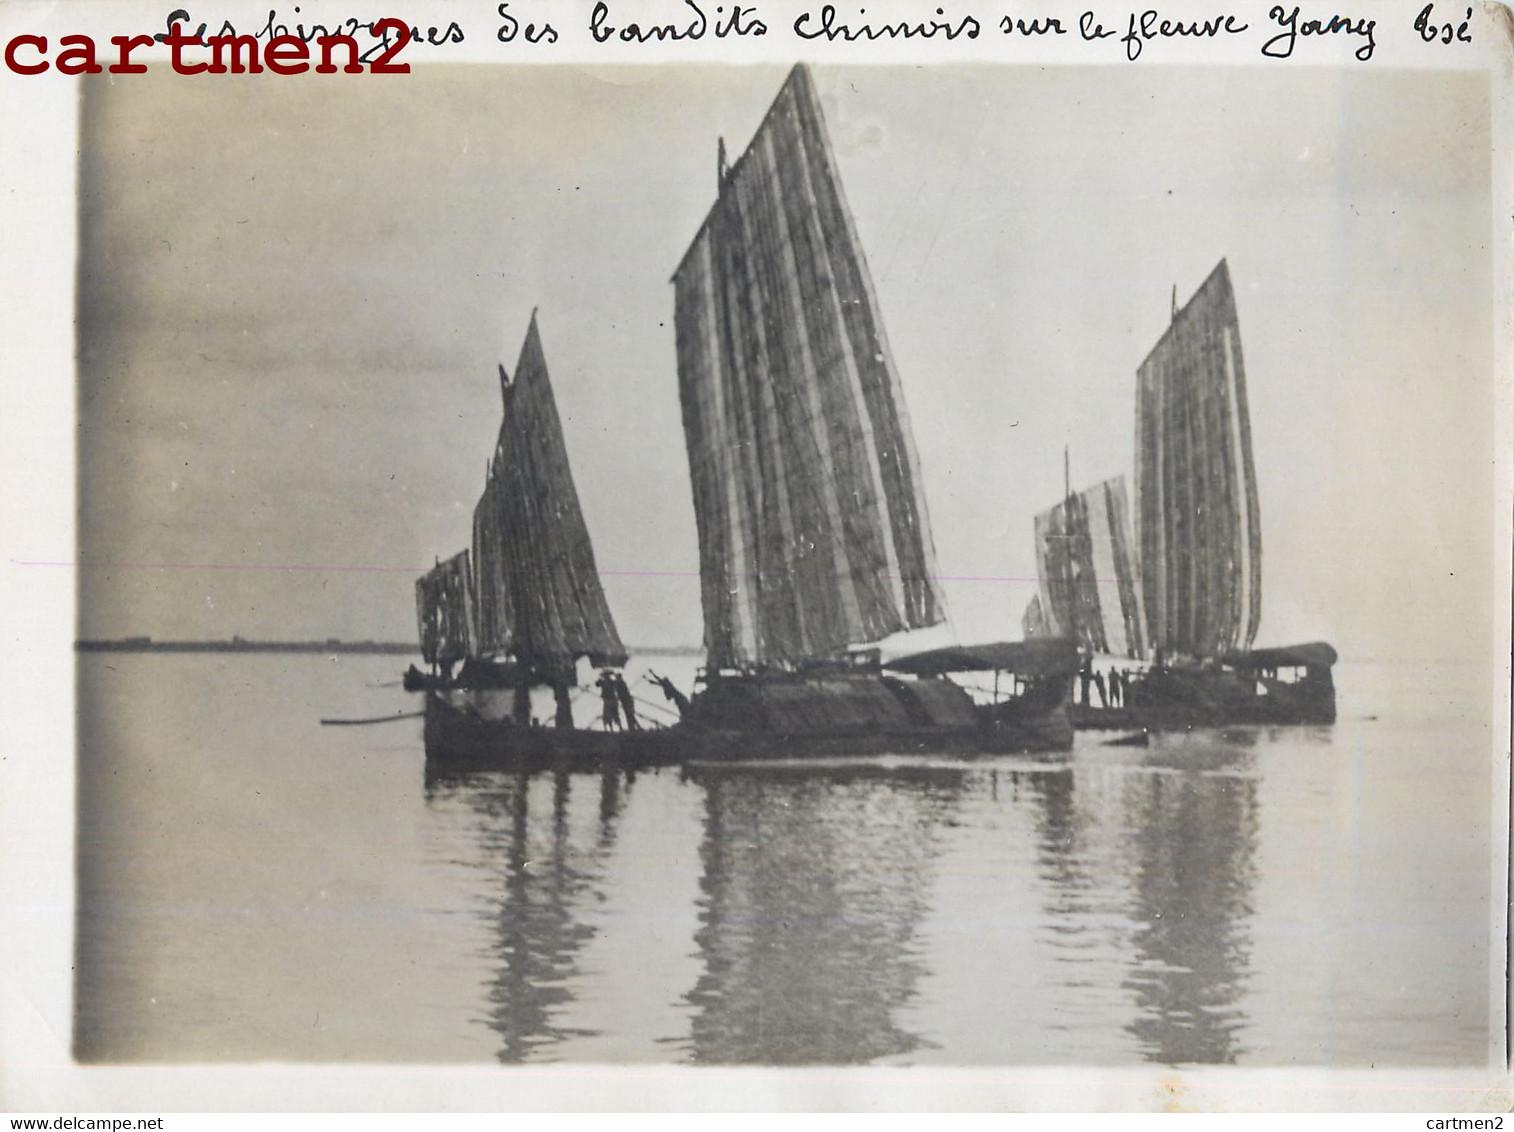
444,610
1198,523
1034,624
539,594
813,531
1088,585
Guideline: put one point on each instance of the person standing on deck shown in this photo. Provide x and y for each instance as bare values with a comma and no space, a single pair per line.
1098,682
627,702
610,700
1085,678
670,692
561,690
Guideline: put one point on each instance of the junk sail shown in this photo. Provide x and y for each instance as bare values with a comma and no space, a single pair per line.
813,533
1088,587
1034,624
444,611
538,592
1198,522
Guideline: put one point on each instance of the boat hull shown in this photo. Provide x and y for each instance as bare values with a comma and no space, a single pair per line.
475,675
469,730
1181,699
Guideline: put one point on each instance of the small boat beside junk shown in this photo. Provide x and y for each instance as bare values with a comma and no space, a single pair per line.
444,607
814,540
1172,611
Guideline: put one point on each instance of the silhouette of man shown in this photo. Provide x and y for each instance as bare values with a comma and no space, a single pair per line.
670,692
627,702
561,694
610,701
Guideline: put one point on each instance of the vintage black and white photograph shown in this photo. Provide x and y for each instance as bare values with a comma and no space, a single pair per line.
789,565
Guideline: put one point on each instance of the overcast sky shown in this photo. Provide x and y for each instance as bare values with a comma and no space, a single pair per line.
293,296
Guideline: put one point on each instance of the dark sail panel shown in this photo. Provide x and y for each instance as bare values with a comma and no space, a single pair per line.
495,600
1034,624
444,610
1114,563
812,522
1198,521
540,595
1089,590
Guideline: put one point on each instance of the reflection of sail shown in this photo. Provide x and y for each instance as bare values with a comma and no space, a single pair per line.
1195,842
1057,828
1088,582
551,874
1198,522
814,883
813,532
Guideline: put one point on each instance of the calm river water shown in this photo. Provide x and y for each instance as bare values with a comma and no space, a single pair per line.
255,886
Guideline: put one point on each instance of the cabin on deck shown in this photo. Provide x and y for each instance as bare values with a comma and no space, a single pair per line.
1293,664
1018,667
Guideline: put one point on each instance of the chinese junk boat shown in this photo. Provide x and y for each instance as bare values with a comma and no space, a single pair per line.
813,532
529,593
1195,578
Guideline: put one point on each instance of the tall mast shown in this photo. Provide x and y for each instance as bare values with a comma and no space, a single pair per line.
1074,597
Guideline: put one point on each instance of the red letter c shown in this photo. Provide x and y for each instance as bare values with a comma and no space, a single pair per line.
37,41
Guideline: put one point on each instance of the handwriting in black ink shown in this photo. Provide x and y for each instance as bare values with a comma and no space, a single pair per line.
1151,26
1048,26
1090,28
510,27
831,30
740,21
1281,45
1429,31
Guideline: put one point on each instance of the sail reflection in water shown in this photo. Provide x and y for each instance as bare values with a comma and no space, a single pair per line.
820,891
1194,837
552,868
815,882
1106,907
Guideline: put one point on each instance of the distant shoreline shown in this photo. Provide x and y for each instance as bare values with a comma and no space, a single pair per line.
331,645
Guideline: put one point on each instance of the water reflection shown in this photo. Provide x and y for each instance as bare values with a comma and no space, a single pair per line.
815,882
1194,901
1194,834
552,872
1058,845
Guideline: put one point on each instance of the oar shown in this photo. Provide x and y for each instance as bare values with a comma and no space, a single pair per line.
375,719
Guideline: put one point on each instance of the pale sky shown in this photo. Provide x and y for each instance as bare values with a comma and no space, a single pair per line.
293,296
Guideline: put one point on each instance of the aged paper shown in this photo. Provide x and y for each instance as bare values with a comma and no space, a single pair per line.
258,326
